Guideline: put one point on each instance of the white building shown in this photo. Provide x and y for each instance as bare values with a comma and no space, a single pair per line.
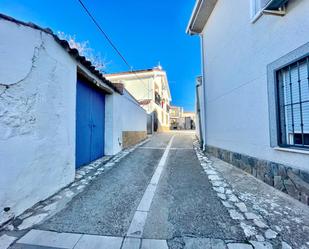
57,113
255,68
150,87
181,120
176,113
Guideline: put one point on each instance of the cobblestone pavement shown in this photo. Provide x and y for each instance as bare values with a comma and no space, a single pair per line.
163,193
286,220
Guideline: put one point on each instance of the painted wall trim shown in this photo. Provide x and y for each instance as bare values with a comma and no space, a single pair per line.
272,68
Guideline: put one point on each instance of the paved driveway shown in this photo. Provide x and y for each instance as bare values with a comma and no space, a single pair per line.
164,194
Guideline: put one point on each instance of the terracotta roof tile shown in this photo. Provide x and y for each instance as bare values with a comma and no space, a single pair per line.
72,51
144,101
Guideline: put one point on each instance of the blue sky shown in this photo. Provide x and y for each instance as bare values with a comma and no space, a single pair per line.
145,31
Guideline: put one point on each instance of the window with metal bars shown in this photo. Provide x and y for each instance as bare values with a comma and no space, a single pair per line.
293,104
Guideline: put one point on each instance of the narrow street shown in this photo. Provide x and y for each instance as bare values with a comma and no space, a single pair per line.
154,124
167,194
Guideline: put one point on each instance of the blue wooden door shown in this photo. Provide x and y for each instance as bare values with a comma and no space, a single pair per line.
90,116
97,120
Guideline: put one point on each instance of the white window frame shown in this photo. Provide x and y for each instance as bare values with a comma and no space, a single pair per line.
259,7
256,10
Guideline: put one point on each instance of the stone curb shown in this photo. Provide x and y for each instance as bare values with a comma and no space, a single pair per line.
55,203
291,181
255,228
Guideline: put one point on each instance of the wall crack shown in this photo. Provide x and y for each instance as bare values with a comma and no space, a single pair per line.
35,56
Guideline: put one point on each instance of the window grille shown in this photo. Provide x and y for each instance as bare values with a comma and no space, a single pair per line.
293,104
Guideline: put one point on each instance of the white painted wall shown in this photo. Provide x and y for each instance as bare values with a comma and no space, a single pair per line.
237,53
143,87
122,113
37,117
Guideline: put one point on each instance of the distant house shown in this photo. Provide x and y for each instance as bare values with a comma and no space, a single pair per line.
150,87
180,120
57,114
176,113
255,87
189,120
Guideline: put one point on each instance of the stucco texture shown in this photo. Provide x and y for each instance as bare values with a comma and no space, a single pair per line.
122,114
237,53
37,116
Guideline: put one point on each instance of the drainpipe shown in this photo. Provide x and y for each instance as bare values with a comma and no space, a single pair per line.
198,110
203,113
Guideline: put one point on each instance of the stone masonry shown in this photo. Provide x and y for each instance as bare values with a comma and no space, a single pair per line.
284,178
130,138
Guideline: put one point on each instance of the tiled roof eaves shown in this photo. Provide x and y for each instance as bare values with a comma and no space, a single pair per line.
135,72
144,101
72,51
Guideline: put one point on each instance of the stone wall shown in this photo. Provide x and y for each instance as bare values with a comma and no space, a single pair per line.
130,138
284,178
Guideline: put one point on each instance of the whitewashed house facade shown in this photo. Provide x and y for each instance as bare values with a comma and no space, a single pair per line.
45,133
256,87
150,87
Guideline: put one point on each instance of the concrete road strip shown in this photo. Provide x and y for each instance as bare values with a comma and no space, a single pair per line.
161,148
102,242
131,243
152,148
145,203
138,222
154,244
46,238
6,241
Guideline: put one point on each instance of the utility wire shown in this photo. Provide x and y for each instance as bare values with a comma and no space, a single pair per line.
104,33
112,44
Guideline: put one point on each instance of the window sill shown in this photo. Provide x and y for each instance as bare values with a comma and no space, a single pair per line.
306,152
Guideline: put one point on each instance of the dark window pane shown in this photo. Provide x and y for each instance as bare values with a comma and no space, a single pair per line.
306,138
298,139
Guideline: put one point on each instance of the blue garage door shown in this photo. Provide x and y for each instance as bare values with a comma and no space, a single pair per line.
90,110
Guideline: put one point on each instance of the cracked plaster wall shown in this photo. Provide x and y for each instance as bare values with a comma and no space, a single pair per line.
37,117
